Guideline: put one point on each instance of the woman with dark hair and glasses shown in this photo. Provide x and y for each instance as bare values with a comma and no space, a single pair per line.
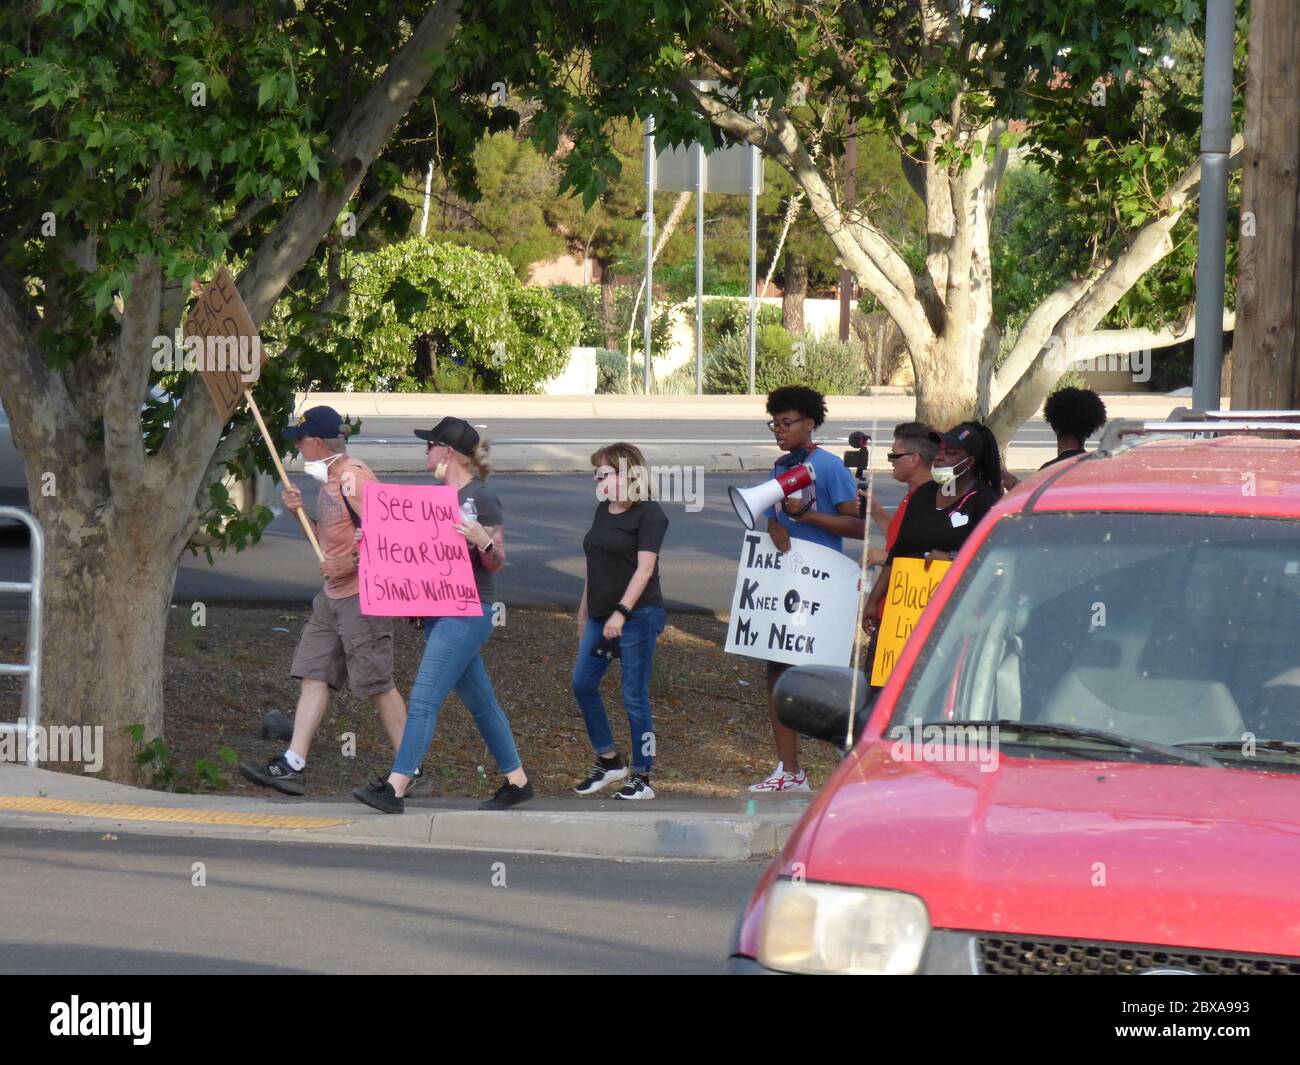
620,616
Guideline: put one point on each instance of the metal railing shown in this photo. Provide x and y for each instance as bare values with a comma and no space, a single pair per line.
28,724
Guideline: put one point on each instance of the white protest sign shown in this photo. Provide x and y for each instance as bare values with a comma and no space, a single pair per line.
799,607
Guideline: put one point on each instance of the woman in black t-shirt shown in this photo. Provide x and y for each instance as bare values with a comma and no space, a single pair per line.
940,515
621,615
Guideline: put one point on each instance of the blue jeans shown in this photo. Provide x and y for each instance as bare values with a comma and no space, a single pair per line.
637,645
452,662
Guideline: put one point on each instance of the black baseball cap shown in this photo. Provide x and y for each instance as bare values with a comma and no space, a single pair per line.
965,436
324,422
456,434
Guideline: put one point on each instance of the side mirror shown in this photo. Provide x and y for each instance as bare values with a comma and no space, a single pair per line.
814,701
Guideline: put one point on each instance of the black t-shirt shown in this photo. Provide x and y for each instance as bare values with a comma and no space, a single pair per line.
1068,454
927,528
612,544
489,514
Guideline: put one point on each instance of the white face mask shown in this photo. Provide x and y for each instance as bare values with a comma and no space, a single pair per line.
319,468
946,476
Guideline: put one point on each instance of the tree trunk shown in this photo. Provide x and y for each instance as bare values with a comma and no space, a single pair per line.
795,282
106,607
947,386
608,308
1268,282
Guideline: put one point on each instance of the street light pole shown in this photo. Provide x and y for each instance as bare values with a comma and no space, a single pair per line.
1211,240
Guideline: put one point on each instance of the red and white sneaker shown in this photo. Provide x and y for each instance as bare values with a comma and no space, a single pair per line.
780,780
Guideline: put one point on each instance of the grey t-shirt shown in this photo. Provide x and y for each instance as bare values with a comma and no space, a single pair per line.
489,514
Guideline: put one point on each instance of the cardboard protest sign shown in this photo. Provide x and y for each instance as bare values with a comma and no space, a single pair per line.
412,561
910,586
223,344
799,607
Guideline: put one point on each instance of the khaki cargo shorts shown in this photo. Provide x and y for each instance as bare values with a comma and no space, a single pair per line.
340,643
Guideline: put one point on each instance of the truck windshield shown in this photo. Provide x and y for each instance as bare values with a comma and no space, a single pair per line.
1174,629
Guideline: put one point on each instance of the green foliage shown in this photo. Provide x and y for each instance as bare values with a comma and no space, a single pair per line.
585,301
156,759
440,317
729,317
779,359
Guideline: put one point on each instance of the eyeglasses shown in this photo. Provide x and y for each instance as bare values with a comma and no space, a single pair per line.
893,456
774,425
598,476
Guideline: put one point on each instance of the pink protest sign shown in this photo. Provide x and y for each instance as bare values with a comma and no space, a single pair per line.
413,562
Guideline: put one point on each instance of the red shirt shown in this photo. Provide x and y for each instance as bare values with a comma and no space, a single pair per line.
896,522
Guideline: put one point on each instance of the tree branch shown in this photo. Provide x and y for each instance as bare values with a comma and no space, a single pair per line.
368,126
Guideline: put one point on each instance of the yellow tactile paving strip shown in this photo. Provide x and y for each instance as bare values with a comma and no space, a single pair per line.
130,812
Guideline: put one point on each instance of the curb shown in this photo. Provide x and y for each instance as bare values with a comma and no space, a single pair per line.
41,799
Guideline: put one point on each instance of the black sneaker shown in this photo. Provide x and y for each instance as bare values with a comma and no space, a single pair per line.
380,796
508,795
636,788
602,775
277,774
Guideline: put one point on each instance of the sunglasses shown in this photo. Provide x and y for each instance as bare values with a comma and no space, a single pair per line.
893,456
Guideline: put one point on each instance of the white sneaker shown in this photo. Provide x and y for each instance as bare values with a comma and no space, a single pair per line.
782,781
635,790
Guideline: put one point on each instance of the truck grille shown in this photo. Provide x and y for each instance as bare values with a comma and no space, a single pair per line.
1006,956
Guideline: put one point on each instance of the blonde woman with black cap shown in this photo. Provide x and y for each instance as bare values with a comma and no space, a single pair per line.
456,456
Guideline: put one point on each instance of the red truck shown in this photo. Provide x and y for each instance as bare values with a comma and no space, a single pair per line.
1087,760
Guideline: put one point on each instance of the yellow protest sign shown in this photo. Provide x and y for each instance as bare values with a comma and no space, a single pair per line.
911,583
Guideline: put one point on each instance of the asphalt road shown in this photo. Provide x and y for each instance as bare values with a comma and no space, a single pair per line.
85,903
546,518
642,430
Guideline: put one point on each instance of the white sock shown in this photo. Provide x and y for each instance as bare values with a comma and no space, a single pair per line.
296,761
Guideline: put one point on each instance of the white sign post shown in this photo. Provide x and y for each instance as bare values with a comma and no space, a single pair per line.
799,608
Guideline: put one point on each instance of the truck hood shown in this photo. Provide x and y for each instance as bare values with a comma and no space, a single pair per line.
1139,853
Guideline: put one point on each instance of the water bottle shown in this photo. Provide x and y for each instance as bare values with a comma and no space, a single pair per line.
468,511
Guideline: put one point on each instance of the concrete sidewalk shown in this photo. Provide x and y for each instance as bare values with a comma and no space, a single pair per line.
544,452
669,828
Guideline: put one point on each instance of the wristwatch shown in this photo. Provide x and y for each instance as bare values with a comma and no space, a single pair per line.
487,550
620,608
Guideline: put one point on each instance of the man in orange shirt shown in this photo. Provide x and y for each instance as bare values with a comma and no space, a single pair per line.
338,642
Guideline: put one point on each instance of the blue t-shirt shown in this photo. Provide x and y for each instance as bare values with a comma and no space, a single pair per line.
833,485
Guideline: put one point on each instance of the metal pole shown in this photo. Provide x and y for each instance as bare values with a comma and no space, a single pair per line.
1211,249
699,269
649,240
428,190
754,163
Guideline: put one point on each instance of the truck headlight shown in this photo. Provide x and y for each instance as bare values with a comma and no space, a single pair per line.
833,928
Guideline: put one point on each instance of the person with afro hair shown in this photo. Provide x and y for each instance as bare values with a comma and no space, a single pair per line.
1074,415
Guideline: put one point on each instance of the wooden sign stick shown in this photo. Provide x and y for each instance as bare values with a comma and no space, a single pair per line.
284,477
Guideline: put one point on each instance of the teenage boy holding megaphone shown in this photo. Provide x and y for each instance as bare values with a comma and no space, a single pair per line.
824,512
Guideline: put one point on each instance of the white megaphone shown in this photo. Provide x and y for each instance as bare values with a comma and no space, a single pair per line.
751,502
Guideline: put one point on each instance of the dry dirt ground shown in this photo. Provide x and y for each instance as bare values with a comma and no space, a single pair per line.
713,736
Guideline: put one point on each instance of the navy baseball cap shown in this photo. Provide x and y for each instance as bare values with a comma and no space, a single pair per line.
965,436
324,422
456,433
